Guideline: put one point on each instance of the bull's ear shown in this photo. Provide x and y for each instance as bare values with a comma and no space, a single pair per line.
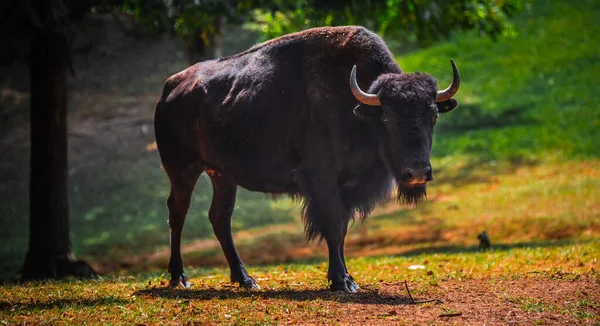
447,106
367,112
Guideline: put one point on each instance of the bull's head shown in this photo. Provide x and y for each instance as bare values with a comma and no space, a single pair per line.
404,109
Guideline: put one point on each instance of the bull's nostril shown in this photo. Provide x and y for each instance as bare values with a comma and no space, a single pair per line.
428,175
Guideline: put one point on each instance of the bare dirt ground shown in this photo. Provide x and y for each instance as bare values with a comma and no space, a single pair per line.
500,302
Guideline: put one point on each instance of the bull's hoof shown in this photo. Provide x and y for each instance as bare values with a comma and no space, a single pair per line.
351,283
347,284
180,281
341,287
249,284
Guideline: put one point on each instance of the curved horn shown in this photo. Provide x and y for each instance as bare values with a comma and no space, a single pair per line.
447,93
362,97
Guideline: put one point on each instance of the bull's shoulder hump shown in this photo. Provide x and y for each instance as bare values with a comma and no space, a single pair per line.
338,35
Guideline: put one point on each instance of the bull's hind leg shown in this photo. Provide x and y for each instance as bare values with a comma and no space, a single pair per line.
183,164
221,210
182,186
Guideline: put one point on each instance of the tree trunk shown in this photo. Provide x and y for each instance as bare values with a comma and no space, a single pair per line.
49,254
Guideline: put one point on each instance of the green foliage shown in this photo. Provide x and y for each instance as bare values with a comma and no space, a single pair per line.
192,16
150,14
187,18
273,23
421,21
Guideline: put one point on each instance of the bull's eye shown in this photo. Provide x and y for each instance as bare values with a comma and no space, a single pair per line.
435,118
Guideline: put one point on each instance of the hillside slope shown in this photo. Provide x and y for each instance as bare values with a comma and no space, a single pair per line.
528,97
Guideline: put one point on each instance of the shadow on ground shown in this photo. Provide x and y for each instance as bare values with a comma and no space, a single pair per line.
62,303
456,249
361,297
264,254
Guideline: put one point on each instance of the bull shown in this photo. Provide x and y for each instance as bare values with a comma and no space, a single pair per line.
281,118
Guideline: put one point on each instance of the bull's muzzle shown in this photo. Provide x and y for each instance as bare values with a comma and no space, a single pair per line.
416,176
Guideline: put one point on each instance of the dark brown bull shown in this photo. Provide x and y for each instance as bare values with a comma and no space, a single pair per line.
282,118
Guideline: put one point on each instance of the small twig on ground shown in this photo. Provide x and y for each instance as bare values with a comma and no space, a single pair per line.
452,314
370,288
412,300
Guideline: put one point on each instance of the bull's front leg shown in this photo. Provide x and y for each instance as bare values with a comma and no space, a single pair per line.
337,273
326,217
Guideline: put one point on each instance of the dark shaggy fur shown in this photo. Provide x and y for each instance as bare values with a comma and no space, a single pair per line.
278,118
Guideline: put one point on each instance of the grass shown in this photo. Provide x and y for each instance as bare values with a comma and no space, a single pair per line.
293,292
532,206
528,97
518,158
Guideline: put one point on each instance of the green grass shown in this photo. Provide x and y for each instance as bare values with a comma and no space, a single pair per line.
530,207
529,97
293,292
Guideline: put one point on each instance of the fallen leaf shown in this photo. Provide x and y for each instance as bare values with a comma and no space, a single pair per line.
415,267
